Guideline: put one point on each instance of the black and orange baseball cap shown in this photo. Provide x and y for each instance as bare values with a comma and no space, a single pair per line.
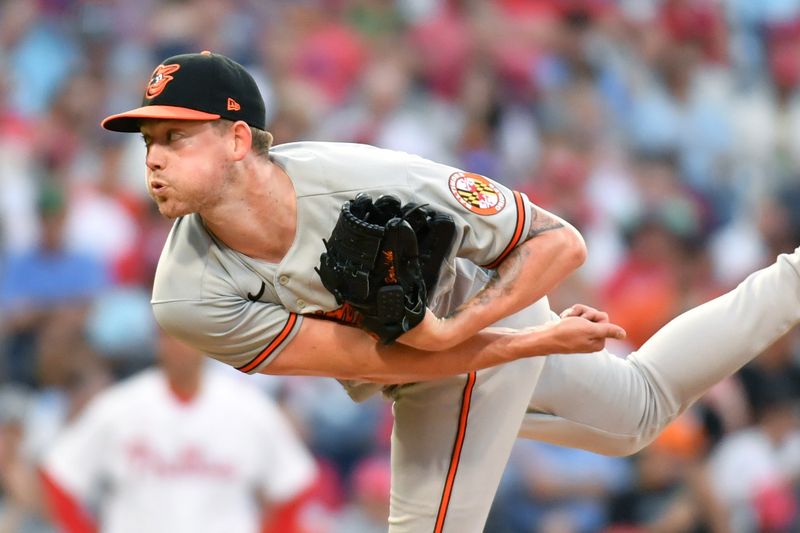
202,86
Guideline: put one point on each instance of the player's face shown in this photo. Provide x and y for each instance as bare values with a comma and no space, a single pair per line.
187,165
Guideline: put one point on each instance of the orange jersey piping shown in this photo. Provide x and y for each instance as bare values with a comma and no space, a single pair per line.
518,228
455,457
272,346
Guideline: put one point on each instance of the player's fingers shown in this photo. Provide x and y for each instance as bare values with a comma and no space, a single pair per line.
585,311
594,315
607,331
613,331
580,310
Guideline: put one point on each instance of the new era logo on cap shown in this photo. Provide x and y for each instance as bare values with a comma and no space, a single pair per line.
201,86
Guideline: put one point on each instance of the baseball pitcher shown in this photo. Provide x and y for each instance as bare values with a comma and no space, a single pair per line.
388,271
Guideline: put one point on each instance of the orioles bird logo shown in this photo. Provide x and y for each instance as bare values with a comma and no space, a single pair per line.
159,80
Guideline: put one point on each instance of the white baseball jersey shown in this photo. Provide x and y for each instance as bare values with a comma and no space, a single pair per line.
151,462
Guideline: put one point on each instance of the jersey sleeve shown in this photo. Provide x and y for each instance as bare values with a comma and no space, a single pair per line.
286,468
491,219
76,459
243,334
196,299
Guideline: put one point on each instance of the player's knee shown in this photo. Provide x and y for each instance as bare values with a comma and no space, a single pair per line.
624,448
623,445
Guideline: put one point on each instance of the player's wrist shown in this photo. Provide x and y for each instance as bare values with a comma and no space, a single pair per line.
449,334
432,334
461,326
528,342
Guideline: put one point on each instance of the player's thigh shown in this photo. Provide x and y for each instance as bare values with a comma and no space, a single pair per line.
450,444
597,401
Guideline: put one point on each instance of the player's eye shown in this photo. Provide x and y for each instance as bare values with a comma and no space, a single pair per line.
173,135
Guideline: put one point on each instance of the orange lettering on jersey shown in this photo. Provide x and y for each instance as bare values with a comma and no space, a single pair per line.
477,193
346,314
159,80
233,105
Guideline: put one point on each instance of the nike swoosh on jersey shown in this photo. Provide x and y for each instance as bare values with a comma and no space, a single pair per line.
258,296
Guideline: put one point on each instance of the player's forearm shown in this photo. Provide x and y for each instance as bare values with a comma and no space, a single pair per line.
528,273
401,364
323,348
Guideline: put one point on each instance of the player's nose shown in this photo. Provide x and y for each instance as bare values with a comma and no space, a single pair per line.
155,157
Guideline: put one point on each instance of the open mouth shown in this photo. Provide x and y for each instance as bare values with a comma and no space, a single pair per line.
157,186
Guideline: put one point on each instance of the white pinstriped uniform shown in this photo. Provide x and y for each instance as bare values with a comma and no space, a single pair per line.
452,436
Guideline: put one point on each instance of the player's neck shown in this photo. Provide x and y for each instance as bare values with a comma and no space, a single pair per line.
260,218
184,390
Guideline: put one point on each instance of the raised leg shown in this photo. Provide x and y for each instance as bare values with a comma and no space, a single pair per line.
616,406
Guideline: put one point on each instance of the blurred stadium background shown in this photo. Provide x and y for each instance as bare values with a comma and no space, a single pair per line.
667,131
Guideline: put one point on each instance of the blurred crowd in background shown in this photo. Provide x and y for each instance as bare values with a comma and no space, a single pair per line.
667,131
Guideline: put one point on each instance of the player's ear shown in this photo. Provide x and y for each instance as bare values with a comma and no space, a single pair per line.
242,139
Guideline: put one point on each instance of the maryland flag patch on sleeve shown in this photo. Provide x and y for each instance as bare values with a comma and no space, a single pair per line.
476,193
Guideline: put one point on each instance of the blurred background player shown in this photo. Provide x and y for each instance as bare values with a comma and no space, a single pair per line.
175,448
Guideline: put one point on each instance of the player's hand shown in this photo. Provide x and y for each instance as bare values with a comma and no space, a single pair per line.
575,334
430,335
584,311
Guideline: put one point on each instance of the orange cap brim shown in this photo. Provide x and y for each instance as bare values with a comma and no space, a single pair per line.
128,122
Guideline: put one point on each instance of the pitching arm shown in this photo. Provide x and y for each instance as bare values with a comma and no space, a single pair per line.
552,249
325,348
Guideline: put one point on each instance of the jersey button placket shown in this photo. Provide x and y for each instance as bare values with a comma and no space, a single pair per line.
286,294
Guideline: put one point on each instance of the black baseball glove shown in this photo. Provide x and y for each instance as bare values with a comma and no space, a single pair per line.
383,258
